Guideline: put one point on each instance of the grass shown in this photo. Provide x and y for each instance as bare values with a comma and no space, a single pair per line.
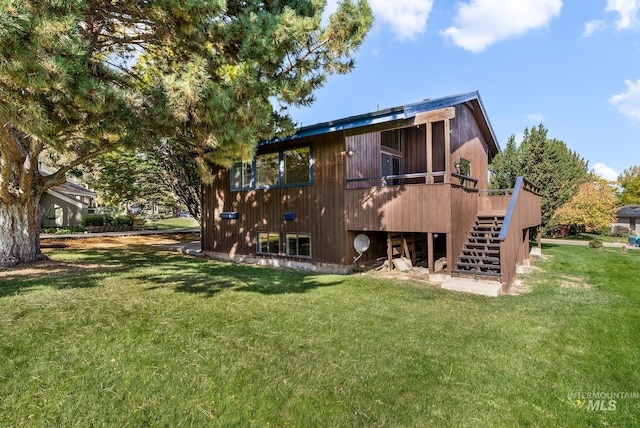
145,337
604,238
177,223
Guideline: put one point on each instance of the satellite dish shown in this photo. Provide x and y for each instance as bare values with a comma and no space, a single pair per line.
361,243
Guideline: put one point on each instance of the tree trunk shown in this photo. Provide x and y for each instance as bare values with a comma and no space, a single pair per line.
21,186
20,232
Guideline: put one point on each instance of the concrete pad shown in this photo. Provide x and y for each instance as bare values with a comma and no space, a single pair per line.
467,285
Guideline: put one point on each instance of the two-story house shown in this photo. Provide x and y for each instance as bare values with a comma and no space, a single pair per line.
412,179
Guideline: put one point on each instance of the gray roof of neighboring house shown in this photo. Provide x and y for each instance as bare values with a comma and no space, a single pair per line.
629,211
403,112
70,188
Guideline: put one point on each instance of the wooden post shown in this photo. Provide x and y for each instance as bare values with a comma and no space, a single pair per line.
430,253
447,160
449,239
540,237
429,142
390,251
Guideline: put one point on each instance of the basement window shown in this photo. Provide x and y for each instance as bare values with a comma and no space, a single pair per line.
268,243
298,244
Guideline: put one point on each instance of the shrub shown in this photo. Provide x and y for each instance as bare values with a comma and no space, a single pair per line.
595,243
123,220
93,220
621,231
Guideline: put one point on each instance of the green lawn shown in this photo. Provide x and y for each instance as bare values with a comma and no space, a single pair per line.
176,223
151,338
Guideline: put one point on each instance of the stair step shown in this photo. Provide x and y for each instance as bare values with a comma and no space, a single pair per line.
483,242
478,265
479,258
475,273
481,245
484,233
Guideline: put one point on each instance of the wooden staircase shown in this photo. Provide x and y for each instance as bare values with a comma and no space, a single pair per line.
480,255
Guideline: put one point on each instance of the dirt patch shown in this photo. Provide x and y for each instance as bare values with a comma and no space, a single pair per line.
52,267
121,241
45,267
573,282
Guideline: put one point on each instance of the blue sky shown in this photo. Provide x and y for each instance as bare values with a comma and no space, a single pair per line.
573,65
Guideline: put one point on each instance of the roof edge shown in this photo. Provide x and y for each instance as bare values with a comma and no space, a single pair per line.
406,111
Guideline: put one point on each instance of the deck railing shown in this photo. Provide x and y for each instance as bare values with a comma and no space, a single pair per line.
523,212
416,178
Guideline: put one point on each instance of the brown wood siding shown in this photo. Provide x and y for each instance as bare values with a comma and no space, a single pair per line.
475,152
494,203
365,161
468,142
464,207
410,208
415,149
316,209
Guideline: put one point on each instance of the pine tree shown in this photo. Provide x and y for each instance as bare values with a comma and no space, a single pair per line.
548,163
505,167
81,78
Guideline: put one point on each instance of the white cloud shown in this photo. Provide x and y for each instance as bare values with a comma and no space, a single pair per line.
535,117
605,172
481,23
593,26
408,18
627,11
628,103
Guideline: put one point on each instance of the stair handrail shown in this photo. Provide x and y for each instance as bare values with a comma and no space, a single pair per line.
511,209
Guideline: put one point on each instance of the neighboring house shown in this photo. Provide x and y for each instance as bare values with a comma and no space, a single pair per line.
413,179
66,205
628,216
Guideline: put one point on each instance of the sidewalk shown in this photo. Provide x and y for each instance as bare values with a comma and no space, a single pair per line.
127,233
585,243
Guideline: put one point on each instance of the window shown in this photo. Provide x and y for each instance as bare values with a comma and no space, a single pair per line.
465,167
296,165
268,170
269,243
298,244
287,167
391,165
241,175
391,140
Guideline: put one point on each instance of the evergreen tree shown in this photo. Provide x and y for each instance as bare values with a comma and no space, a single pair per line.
505,167
81,78
546,162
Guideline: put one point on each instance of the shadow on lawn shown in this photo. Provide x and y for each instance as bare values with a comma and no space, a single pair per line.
157,269
211,277
57,275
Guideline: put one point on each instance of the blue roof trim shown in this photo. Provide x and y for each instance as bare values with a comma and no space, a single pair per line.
388,115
